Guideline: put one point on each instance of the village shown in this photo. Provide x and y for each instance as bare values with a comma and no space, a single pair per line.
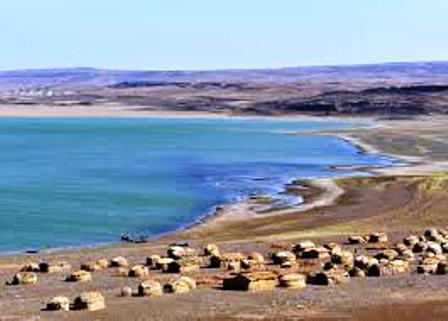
295,266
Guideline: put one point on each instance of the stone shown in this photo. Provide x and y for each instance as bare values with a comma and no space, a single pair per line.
251,281
138,271
23,278
79,276
59,303
228,261
126,291
292,280
356,239
118,261
377,237
91,301
211,249
150,288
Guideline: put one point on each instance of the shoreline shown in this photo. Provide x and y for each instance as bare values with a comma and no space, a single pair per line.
237,210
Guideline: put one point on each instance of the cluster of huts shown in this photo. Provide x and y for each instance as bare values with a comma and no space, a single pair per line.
334,263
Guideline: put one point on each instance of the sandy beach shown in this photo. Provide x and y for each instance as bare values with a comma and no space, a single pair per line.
397,200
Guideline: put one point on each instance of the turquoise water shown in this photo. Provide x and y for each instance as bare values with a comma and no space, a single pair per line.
71,182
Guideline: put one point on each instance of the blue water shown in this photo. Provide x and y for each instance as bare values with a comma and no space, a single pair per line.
71,182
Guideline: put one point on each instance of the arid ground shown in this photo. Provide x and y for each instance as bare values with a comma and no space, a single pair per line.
398,201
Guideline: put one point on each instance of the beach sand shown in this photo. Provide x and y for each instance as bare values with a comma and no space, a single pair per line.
397,201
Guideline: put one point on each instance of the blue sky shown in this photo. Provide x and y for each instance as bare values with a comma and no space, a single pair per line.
209,34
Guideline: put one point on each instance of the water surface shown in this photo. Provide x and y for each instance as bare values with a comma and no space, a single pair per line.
71,182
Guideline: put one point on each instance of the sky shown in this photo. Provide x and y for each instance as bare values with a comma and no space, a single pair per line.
212,34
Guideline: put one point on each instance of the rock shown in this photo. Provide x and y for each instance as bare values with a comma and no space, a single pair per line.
388,254
211,249
150,288
374,270
300,247
91,301
126,291
23,278
122,272
119,261
79,276
377,237
251,281
138,271
59,303
283,256
292,280
30,267
356,239
315,253
410,240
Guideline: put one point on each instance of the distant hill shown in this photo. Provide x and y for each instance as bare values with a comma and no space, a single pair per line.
375,88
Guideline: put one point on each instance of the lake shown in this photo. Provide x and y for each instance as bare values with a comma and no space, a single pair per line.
73,182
